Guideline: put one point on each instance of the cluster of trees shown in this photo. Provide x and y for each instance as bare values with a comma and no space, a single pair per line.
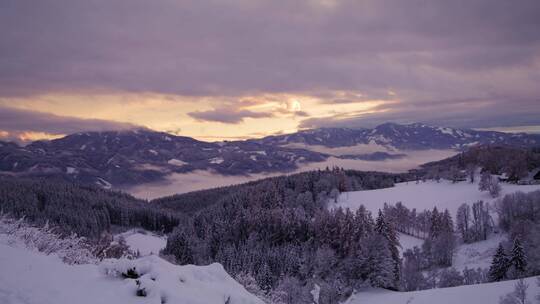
519,215
280,234
85,210
514,161
490,184
474,224
508,266
417,224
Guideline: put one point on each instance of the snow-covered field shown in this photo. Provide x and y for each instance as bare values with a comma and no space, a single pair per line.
144,242
408,242
473,294
425,195
443,195
478,254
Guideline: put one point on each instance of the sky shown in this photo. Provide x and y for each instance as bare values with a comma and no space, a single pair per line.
237,69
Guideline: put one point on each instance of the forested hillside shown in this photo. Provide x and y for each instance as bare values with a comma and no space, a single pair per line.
277,234
514,162
320,184
85,210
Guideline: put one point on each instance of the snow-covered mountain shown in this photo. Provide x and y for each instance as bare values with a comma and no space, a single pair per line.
415,136
126,158
133,157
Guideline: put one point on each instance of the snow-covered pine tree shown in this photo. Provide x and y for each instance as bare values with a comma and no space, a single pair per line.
386,230
518,259
381,272
499,265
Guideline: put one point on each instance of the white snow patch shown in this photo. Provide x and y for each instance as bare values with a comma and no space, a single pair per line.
176,162
153,151
478,254
482,293
408,242
216,160
145,242
103,183
71,170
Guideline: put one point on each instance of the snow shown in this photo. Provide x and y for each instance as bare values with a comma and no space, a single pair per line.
253,157
145,242
216,160
479,294
424,195
446,131
176,162
153,151
30,277
408,242
478,254
103,183
71,170
443,195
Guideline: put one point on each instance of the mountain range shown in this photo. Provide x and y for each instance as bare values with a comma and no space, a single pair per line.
117,158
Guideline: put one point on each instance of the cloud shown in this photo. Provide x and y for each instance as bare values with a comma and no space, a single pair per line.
421,50
16,124
228,116
465,113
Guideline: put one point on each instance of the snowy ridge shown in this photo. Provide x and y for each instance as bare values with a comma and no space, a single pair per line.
30,276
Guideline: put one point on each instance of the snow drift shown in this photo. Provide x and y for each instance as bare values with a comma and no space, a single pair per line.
28,275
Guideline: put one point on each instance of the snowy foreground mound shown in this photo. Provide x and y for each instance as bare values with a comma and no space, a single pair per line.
31,277
479,294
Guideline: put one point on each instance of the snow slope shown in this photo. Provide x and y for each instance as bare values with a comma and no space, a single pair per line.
29,277
144,242
443,195
478,254
425,195
408,242
477,294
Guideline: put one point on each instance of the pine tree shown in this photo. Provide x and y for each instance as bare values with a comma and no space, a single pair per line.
385,229
518,259
499,265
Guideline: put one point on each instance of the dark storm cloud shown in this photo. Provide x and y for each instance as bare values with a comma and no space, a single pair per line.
226,115
422,50
15,121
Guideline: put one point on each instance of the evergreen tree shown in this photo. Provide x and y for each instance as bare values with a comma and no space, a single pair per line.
386,230
518,259
499,265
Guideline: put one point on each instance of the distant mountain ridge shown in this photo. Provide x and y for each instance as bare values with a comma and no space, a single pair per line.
138,156
415,136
